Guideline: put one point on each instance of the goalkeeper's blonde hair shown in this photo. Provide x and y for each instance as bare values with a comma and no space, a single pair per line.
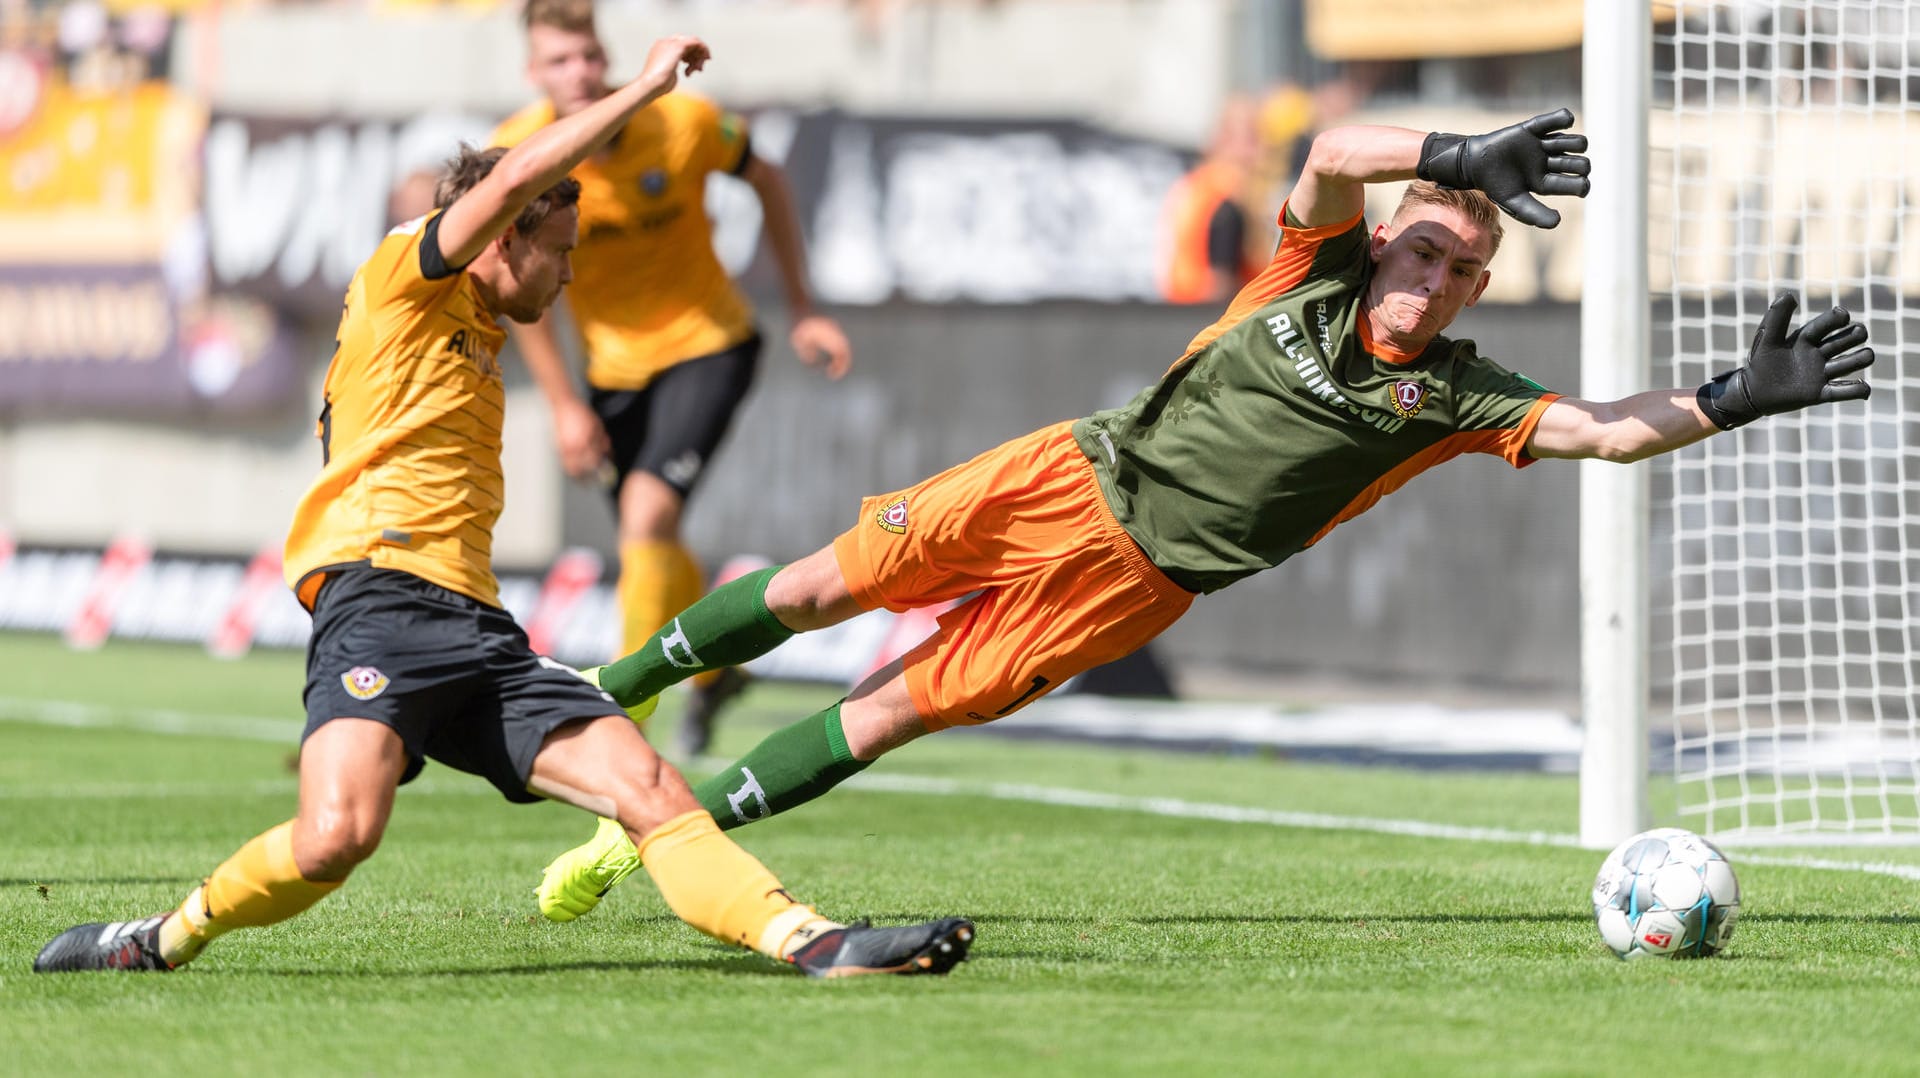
1472,205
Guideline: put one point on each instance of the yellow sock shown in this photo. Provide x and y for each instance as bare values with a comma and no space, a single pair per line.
658,579
259,885
722,890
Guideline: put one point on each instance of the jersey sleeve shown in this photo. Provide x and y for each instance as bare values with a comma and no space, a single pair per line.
1491,399
408,264
1335,252
723,142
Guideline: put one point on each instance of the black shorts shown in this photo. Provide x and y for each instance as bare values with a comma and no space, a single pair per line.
672,427
451,675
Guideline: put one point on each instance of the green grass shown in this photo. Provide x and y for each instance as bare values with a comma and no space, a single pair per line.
1112,942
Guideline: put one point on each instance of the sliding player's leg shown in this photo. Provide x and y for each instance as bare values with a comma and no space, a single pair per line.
730,625
605,766
349,768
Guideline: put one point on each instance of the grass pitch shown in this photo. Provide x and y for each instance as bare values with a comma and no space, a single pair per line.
1111,941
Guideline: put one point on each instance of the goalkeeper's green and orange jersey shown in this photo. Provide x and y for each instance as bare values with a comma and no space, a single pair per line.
411,427
1284,419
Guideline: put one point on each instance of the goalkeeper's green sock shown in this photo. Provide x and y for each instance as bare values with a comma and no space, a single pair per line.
729,626
791,767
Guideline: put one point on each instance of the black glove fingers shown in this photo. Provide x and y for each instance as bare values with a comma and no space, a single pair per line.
1852,363
1529,210
1851,336
1548,122
1553,184
1773,324
1845,391
1820,326
1564,143
1569,164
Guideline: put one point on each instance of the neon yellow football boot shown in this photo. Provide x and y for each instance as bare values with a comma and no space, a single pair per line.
574,882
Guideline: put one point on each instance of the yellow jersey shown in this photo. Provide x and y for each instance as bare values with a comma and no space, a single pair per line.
648,290
410,428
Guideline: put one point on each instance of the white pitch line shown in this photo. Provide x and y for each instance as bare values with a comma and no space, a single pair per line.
150,720
62,713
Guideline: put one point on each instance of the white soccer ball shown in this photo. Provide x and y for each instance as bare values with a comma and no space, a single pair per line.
1666,892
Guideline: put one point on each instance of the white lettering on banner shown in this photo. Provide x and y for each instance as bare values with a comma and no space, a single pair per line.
42,588
310,205
1009,218
79,321
848,256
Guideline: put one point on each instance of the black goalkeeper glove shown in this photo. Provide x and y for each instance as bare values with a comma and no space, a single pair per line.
1788,371
1512,165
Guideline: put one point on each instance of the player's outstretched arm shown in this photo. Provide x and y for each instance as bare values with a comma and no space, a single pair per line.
816,339
1513,164
1785,371
529,169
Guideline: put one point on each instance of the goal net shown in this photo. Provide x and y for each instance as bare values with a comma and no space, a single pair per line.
1784,155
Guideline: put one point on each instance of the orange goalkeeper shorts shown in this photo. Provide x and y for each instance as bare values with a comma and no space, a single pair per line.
1062,587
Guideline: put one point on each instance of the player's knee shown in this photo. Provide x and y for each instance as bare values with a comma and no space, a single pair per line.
811,593
328,844
647,797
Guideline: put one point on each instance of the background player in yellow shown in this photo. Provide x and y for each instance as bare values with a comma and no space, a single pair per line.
671,343
411,656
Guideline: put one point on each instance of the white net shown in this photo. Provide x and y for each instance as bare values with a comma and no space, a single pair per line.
1785,556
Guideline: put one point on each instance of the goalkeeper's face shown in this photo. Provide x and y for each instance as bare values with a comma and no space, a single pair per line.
1430,262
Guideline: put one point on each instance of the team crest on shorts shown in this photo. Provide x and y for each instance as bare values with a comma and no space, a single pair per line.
894,517
1409,398
363,682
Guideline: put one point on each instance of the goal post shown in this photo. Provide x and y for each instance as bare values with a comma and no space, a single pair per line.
1616,66
1777,602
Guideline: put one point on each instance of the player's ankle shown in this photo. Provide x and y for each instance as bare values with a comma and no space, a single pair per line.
795,929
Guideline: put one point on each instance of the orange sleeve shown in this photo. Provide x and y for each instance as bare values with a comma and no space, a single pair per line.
1291,261
1512,445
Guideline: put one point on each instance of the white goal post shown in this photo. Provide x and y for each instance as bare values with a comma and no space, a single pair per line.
1751,605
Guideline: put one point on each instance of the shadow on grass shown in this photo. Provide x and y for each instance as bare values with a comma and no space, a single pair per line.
733,965
1544,917
78,881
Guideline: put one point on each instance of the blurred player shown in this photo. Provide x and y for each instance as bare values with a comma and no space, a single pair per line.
671,344
411,656
1324,387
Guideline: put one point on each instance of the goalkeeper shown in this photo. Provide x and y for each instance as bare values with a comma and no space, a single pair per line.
1326,385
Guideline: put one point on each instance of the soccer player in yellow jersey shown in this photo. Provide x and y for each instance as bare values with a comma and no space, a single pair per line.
411,656
671,344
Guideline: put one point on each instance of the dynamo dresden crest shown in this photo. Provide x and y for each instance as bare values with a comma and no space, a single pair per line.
363,682
1409,398
894,517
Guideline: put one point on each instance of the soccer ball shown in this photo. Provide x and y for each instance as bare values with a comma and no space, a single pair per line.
1666,892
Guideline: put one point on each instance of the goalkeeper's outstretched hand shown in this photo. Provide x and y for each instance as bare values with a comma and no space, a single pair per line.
1513,164
1787,371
